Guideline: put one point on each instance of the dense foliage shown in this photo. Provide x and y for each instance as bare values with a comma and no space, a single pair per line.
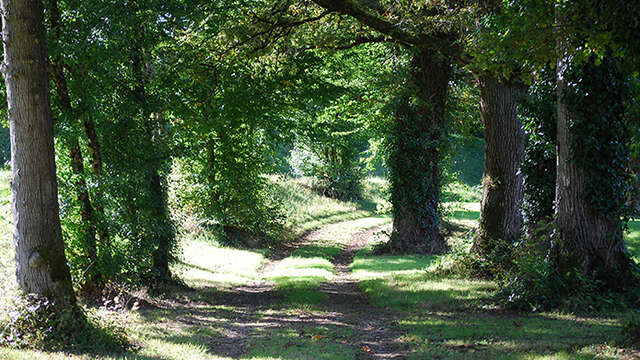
539,167
174,112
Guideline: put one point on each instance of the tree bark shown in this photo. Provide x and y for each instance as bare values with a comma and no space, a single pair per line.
415,159
41,264
502,191
589,241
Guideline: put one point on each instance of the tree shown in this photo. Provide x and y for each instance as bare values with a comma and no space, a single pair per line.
498,74
40,257
593,154
414,162
500,221
94,277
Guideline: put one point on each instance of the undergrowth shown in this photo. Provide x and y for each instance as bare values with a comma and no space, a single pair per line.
41,324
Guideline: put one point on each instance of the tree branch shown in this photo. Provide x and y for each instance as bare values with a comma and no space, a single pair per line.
437,41
349,7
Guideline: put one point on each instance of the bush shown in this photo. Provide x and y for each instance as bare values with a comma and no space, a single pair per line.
39,323
338,181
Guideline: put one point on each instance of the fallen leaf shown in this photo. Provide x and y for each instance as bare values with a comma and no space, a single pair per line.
366,349
318,337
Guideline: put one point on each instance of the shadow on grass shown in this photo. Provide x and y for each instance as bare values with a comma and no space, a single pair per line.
271,325
447,320
421,291
499,335
312,251
367,205
278,324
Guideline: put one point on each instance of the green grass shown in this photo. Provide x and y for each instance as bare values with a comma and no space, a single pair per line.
205,263
310,265
468,161
454,318
306,210
440,316
633,239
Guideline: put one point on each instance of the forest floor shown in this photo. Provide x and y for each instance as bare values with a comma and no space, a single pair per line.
325,296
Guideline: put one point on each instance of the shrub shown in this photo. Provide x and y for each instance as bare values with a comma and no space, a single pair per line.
39,323
338,181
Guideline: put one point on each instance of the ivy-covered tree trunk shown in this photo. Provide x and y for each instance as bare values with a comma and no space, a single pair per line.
500,214
592,170
41,265
414,162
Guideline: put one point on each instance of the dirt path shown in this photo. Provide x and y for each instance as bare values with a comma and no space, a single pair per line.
377,326
373,331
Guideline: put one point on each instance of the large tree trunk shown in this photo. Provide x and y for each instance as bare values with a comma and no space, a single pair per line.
41,265
415,159
500,214
590,240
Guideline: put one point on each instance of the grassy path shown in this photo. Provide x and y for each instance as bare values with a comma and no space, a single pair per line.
327,297
302,306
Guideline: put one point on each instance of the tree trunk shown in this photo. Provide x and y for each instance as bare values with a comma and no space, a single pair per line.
502,191
41,264
87,210
153,122
589,241
414,161
96,166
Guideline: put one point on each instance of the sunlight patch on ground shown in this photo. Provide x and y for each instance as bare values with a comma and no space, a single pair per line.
311,265
297,271
371,267
207,264
633,239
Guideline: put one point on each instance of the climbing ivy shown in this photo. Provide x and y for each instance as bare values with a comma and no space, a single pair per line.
595,99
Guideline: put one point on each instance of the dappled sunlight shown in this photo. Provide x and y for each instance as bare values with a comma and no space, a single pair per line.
307,210
341,233
503,335
424,292
320,342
